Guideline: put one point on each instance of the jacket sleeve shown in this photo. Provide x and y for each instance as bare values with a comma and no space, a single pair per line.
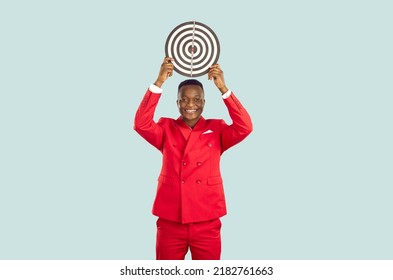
144,123
241,125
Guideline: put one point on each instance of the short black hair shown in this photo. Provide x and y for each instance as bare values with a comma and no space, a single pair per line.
190,82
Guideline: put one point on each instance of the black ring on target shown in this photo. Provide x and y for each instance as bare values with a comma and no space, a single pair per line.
194,47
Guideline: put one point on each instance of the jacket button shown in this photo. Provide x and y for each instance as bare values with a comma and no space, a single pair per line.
198,181
184,163
199,163
182,181
209,144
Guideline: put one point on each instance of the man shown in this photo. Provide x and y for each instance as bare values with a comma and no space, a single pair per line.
190,196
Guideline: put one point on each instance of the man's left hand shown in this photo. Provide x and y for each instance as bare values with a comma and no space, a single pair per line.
217,75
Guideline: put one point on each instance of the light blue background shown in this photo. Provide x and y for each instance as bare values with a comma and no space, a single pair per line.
313,181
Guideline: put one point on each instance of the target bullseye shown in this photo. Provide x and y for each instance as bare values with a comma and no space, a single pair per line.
194,47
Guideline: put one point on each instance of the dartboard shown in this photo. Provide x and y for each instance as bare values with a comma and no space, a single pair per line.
194,47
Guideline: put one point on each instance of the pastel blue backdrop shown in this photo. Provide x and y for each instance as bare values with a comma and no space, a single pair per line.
313,181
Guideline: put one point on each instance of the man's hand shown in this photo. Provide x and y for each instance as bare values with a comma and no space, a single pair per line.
217,75
166,71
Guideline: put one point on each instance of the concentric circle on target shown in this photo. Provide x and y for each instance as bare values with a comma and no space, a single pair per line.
194,47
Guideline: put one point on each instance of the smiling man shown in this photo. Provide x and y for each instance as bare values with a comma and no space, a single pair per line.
190,100
190,195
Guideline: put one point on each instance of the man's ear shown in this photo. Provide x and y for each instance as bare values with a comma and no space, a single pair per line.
178,104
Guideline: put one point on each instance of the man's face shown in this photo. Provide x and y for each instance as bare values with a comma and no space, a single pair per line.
190,102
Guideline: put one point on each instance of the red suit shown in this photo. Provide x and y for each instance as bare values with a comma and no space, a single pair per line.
190,187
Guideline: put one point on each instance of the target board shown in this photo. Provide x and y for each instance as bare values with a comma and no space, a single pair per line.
194,47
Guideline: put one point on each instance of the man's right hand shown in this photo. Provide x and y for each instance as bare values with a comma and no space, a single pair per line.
166,71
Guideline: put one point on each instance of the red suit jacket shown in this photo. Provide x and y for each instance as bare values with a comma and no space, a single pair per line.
190,187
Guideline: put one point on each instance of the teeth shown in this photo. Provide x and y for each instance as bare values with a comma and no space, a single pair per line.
190,111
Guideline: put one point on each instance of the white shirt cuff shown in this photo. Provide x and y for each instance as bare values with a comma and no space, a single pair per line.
227,94
155,89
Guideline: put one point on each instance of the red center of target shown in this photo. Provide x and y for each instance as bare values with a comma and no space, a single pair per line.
192,49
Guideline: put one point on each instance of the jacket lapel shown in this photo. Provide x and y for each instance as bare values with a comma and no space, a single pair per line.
194,135
184,128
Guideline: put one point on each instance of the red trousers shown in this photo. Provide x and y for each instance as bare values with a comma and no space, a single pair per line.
174,239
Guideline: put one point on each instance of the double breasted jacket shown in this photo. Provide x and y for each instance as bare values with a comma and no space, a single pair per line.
190,186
